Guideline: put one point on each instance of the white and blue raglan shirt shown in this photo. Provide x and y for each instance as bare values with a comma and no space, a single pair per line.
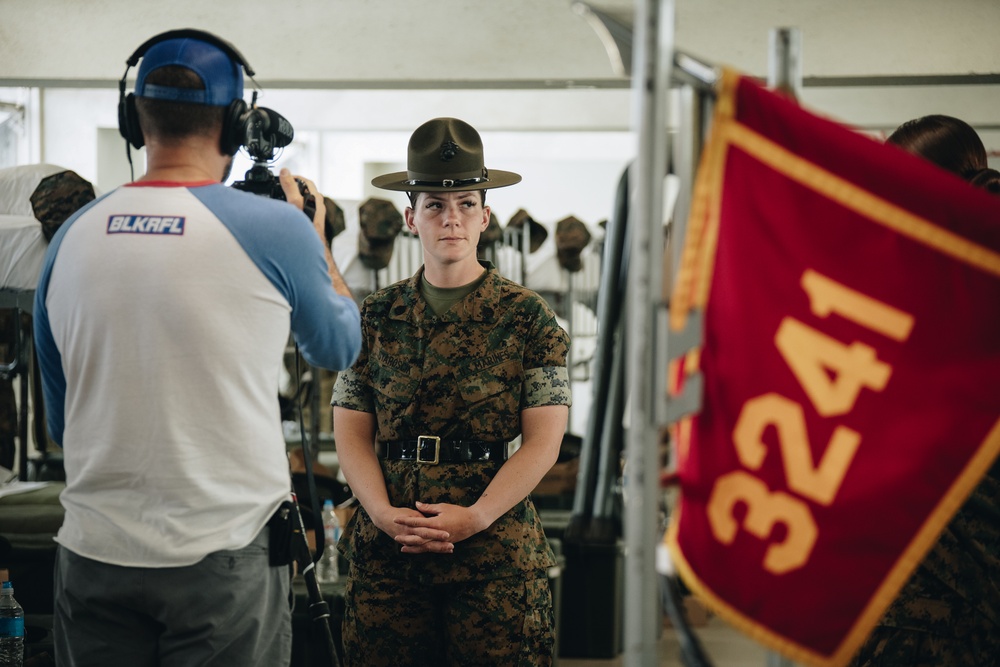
162,315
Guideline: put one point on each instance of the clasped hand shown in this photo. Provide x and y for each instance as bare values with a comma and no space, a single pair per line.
432,528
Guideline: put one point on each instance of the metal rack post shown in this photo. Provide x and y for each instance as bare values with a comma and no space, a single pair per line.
652,62
785,60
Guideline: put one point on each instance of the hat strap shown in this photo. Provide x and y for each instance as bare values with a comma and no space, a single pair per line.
447,182
169,93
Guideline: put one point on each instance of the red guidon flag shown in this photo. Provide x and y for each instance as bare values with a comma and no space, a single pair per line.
850,361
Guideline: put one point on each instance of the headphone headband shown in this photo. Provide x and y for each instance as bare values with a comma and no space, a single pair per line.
190,33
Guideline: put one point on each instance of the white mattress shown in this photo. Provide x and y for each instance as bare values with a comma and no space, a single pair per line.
17,184
22,250
22,245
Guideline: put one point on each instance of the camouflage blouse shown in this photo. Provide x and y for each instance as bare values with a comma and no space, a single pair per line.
948,613
467,374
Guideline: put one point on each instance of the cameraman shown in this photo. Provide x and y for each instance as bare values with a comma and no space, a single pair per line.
162,315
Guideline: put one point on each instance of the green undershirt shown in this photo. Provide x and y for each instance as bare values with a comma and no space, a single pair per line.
441,299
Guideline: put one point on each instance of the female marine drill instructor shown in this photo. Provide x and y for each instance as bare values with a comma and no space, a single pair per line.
447,556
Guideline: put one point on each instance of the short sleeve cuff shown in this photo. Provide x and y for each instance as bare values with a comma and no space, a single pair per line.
349,392
548,385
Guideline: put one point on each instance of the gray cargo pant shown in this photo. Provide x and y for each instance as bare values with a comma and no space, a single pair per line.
231,608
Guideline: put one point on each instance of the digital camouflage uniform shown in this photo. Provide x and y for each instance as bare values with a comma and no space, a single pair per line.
467,374
948,613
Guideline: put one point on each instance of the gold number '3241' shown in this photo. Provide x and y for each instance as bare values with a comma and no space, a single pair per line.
832,374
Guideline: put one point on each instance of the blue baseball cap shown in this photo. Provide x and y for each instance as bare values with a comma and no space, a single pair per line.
222,76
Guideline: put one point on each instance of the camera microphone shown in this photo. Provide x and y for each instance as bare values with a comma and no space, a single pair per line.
264,122
263,130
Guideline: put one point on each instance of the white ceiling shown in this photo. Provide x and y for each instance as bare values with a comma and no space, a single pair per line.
498,43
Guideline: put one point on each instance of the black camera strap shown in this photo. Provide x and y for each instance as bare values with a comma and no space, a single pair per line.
319,609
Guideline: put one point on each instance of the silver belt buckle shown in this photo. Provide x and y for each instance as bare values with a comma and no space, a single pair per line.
437,449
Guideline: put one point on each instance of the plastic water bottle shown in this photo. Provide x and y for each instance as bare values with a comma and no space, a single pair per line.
11,628
328,569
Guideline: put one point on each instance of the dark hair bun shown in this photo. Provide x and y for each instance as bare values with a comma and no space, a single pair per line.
988,179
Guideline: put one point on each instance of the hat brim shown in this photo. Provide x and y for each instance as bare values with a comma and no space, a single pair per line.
399,181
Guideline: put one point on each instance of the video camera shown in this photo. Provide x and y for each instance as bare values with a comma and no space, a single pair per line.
263,131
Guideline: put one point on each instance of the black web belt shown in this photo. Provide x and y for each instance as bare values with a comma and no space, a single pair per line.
432,450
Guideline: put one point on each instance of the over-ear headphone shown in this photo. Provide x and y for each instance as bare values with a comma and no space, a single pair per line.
128,117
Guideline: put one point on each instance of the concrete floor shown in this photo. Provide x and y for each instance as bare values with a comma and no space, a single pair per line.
724,645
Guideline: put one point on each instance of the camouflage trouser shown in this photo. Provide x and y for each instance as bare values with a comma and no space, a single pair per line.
929,625
505,622
902,647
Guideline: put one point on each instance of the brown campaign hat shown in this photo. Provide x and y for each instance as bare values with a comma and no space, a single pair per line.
59,196
380,223
334,223
572,236
492,233
537,233
445,154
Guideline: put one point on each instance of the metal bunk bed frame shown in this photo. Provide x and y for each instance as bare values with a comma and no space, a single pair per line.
21,366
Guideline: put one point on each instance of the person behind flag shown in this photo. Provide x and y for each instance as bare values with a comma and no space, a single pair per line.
948,613
948,142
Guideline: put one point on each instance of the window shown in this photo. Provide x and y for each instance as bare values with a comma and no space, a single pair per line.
11,132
